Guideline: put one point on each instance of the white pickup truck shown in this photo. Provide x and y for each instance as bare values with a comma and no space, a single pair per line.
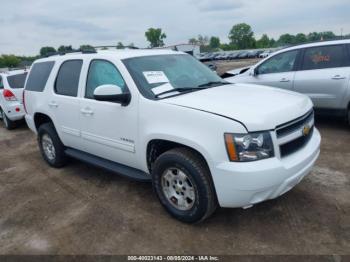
162,116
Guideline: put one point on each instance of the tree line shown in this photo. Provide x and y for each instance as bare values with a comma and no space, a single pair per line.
241,36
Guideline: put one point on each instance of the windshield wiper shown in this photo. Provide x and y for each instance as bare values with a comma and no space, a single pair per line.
181,90
213,83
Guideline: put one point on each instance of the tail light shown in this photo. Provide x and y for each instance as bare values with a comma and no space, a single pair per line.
24,101
8,95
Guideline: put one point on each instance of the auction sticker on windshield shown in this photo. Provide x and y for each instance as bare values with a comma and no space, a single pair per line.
155,77
162,88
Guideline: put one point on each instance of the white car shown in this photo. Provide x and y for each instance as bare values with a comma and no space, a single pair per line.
265,54
11,90
319,70
162,116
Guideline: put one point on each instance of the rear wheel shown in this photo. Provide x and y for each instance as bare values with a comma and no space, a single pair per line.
50,145
183,185
9,124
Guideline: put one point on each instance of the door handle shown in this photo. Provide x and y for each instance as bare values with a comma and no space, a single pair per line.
53,104
87,111
338,77
284,80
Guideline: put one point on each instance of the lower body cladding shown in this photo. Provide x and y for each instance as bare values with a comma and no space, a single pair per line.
246,184
14,111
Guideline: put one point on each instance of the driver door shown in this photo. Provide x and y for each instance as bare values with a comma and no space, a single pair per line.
278,71
109,130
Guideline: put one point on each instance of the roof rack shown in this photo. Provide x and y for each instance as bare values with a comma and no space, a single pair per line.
83,51
91,50
315,42
16,68
115,46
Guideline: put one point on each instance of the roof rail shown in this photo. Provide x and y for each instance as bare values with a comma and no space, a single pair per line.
16,68
315,42
115,46
83,51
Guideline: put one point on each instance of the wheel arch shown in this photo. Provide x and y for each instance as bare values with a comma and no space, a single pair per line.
40,119
156,147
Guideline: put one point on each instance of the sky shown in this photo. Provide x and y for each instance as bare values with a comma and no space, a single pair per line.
27,25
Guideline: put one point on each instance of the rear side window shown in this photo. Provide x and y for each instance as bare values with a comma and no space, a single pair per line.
17,81
38,76
67,80
324,57
1,83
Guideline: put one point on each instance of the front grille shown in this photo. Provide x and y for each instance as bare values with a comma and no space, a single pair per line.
293,146
291,135
294,125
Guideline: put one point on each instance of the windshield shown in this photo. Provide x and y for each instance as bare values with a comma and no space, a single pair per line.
155,75
17,81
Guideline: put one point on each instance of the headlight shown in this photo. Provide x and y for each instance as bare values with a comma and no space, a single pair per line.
249,147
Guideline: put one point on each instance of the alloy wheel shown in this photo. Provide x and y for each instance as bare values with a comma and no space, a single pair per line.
48,147
178,189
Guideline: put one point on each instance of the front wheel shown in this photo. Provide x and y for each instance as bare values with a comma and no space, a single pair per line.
183,185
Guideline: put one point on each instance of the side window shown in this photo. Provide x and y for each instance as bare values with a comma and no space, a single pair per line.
283,62
67,81
39,73
102,72
1,83
17,81
323,57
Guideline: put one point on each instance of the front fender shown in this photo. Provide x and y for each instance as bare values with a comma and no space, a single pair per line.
202,131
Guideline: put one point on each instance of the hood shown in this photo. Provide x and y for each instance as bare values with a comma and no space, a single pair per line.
258,108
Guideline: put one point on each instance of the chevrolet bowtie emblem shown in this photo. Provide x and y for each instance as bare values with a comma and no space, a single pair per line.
306,130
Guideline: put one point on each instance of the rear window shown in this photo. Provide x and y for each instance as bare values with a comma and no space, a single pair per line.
17,81
1,83
324,57
38,76
67,80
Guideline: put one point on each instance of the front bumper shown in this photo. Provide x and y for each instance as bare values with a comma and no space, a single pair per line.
14,111
246,184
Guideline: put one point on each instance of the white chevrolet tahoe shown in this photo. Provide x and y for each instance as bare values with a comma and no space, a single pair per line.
162,116
11,91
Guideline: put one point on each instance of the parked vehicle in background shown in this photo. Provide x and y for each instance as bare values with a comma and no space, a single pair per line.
212,66
253,54
11,90
162,116
320,70
243,54
233,55
265,54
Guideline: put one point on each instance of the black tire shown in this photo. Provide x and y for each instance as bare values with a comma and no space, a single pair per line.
60,158
8,124
198,172
348,116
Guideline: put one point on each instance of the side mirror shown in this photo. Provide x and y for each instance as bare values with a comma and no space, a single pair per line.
255,71
112,93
